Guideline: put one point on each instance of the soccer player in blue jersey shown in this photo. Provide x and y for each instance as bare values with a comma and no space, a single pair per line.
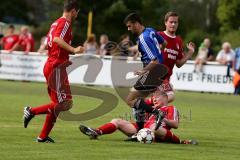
152,73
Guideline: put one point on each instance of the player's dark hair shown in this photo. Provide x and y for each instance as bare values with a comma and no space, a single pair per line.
133,17
170,14
70,4
11,26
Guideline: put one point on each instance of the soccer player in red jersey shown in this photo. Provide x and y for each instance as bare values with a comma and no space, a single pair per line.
173,53
25,42
162,134
11,39
59,47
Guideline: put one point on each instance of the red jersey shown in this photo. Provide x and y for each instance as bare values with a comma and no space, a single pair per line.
171,114
9,41
25,40
172,52
60,28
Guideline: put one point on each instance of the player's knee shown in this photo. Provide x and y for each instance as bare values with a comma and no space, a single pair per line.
117,122
171,97
67,105
129,101
160,133
175,126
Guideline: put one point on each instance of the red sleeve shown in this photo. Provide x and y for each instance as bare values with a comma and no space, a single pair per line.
62,29
16,38
20,39
149,101
172,113
4,39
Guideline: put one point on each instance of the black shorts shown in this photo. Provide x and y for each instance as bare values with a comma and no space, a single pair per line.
153,78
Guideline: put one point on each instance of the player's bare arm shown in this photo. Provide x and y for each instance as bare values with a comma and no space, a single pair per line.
28,48
171,123
67,47
187,56
14,47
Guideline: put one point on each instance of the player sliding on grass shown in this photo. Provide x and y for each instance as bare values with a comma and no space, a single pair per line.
162,134
59,47
153,72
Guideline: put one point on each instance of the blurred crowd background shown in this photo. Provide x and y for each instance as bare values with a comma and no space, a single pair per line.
216,19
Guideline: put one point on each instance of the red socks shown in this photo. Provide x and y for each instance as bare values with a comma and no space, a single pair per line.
50,118
171,138
48,125
107,128
44,109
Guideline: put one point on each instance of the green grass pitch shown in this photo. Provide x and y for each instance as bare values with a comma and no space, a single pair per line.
212,119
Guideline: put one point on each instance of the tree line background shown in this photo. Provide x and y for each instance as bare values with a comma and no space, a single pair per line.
216,19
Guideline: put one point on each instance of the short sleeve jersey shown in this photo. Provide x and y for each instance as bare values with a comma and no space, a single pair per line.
172,52
149,46
60,28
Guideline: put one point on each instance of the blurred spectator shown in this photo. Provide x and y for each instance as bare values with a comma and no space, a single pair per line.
210,54
236,82
43,45
236,66
201,58
205,53
124,45
90,45
25,42
103,45
1,36
10,39
236,62
226,56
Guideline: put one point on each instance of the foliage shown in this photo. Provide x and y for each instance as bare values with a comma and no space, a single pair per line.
233,37
228,14
15,11
198,18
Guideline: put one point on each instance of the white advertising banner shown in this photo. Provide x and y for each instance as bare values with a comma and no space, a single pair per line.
22,67
213,79
109,72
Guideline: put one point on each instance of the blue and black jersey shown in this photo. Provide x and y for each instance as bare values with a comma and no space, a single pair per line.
148,45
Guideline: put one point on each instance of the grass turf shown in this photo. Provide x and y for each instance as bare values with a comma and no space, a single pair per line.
212,119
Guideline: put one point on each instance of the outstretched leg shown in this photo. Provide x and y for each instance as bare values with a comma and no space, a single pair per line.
116,124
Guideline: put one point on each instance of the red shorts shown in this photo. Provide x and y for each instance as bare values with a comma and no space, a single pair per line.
135,125
57,81
165,87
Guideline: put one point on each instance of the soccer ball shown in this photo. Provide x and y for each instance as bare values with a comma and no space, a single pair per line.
145,135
